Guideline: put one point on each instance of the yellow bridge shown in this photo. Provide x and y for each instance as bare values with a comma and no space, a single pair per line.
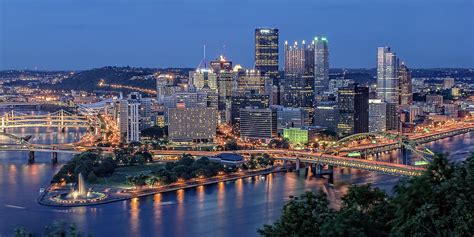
61,119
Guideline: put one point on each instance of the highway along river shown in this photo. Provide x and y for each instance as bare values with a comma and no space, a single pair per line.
235,208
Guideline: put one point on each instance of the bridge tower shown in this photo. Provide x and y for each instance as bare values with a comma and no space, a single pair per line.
61,119
320,171
297,165
31,157
54,157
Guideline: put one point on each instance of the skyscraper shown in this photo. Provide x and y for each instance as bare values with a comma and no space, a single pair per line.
250,82
377,115
203,78
326,115
387,76
297,86
294,58
225,78
258,123
266,51
406,88
129,117
353,103
321,65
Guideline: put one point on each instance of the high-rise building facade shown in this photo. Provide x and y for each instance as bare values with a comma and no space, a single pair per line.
406,87
321,65
294,58
266,51
377,115
250,82
225,83
128,117
326,115
393,117
243,101
387,76
297,85
203,78
448,83
291,117
353,103
258,123
297,91
192,124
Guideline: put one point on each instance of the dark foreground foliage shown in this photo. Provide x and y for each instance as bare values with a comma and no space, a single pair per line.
438,203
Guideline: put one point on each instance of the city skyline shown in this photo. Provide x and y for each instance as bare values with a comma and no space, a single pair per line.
140,38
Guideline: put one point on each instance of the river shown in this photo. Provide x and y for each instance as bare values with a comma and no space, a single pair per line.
234,208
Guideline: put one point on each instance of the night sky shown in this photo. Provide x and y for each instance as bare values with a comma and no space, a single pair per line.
83,34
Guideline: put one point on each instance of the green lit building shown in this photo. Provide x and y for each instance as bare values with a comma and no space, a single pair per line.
296,135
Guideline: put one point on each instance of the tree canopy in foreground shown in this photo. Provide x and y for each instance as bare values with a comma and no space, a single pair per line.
438,203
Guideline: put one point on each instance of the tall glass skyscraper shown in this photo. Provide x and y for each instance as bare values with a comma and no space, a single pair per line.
387,76
266,51
406,87
321,65
353,103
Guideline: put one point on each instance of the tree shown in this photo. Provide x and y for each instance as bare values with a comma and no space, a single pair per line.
61,228
231,145
302,216
152,181
365,212
22,232
438,203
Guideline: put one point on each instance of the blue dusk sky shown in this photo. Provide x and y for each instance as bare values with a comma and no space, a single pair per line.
83,34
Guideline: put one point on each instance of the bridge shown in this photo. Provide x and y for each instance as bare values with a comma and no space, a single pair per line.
413,142
61,119
329,159
313,158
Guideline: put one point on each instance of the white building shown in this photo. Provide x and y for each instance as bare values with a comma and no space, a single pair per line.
377,115
387,76
129,117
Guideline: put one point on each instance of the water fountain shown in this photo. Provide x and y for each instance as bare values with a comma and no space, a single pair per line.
80,195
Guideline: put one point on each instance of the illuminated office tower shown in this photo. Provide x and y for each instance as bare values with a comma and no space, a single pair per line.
129,117
353,103
377,115
326,115
203,78
297,86
258,123
243,101
448,83
250,82
225,75
387,76
266,51
406,87
294,58
192,124
321,65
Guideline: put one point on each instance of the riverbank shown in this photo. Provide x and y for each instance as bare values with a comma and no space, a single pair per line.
114,194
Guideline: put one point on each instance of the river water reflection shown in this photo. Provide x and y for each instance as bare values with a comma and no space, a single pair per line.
235,208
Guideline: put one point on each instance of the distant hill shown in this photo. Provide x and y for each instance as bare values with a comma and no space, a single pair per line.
88,80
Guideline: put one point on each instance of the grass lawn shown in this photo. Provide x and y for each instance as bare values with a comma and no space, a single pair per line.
119,178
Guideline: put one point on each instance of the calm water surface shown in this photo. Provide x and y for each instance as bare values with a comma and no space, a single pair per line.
235,208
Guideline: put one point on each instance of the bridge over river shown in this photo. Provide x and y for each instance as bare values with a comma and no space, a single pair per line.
328,158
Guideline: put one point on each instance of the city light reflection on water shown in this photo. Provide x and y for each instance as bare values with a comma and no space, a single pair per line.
234,208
